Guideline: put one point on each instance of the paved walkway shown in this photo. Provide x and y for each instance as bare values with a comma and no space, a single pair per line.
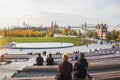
83,48
9,69
43,45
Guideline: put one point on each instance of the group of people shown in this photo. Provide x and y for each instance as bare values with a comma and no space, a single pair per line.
66,69
79,69
49,60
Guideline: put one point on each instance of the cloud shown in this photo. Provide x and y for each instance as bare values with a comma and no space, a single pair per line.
72,12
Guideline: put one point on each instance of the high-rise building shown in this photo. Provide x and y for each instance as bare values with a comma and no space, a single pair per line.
54,25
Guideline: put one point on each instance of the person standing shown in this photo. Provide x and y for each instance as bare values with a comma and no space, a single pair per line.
39,59
80,68
65,68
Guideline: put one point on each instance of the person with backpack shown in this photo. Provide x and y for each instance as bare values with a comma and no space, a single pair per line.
39,60
50,60
80,68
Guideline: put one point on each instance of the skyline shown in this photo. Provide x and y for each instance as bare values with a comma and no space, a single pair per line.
64,12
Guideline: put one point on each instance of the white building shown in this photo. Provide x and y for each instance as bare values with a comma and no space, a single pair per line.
84,28
117,28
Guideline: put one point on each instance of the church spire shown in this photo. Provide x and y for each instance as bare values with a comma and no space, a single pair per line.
52,24
24,24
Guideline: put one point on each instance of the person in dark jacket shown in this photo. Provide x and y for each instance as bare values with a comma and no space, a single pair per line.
76,57
65,68
50,60
80,68
39,60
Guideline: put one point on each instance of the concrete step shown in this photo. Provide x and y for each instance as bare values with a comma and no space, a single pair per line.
92,65
114,75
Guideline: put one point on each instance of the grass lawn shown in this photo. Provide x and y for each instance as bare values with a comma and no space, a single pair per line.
3,41
75,41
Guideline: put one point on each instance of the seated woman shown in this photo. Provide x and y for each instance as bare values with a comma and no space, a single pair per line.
80,68
65,68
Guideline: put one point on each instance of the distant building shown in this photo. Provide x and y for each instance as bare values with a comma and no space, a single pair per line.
84,28
54,25
88,27
101,30
76,28
116,28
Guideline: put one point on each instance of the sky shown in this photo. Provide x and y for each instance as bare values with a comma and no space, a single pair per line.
64,12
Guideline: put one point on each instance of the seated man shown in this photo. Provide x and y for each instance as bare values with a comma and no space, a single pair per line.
80,68
50,60
39,60
44,53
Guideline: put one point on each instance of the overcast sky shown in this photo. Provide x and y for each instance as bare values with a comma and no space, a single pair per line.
64,12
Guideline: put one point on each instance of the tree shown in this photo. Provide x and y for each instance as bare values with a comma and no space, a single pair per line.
108,36
21,33
72,32
79,34
64,31
118,37
50,33
95,35
114,35
90,34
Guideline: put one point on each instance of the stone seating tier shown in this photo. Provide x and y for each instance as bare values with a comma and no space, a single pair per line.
92,65
114,75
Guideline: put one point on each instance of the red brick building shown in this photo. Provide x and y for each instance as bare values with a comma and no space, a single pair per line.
101,31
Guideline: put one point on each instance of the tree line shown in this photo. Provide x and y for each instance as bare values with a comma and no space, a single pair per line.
21,33
113,35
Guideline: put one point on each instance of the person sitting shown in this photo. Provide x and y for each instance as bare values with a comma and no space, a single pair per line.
39,60
50,60
76,57
44,53
2,58
65,68
80,68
